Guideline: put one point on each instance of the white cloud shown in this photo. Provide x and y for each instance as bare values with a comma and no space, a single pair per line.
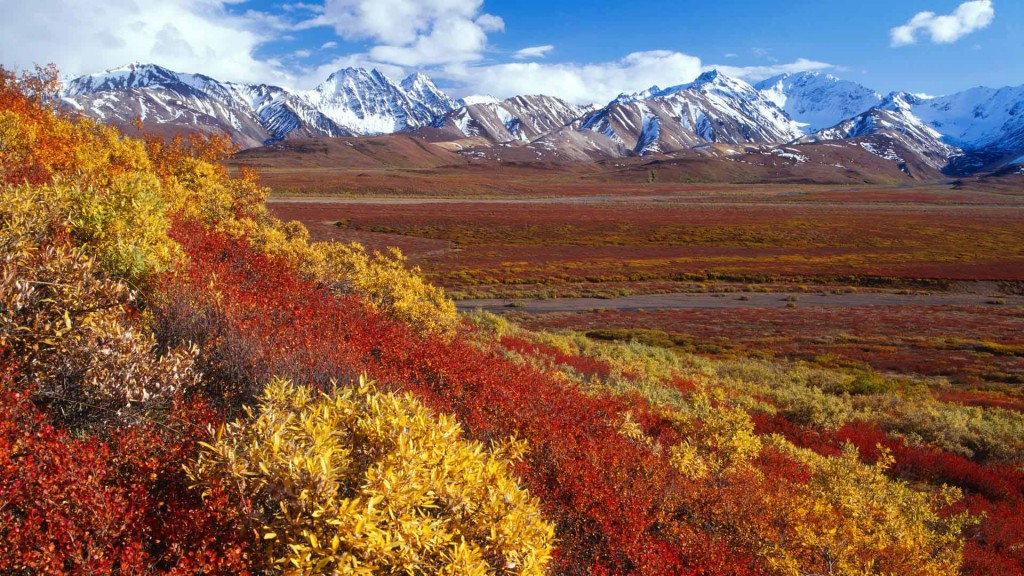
413,32
763,54
578,83
967,18
756,73
533,52
329,45
302,6
185,35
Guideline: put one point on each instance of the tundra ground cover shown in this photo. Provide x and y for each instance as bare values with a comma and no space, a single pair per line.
464,245
973,346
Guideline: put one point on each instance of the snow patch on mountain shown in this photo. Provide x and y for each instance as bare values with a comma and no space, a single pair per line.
649,134
886,153
817,100
478,99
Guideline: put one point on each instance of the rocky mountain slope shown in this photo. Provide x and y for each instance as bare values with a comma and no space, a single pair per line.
892,121
978,130
986,124
517,119
713,109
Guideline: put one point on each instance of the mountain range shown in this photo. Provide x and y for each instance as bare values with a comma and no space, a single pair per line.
977,130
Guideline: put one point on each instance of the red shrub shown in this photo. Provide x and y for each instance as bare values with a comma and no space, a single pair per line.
84,506
587,367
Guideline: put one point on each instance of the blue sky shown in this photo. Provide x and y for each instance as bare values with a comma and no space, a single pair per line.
583,51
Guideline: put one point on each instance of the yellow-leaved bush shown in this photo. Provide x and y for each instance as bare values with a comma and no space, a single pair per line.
851,518
364,482
717,439
391,286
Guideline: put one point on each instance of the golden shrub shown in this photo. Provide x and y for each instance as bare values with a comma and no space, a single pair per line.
391,286
363,482
851,518
717,439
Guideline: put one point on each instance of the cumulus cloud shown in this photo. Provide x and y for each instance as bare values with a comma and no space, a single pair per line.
533,52
185,35
756,73
578,83
413,32
967,18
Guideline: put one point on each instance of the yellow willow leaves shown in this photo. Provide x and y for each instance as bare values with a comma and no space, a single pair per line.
393,288
851,518
361,482
718,439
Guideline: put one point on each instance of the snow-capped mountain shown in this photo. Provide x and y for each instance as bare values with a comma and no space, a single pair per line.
818,100
367,102
986,123
976,130
894,119
136,75
517,119
421,89
715,108
350,102
979,129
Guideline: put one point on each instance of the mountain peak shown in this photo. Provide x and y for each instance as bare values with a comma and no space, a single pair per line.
417,78
716,79
709,77
136,75
899,101
354,72
711,81
369,102
133,68
421,88
626,98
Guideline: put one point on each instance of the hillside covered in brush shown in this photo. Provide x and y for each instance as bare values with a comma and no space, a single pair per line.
190,386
